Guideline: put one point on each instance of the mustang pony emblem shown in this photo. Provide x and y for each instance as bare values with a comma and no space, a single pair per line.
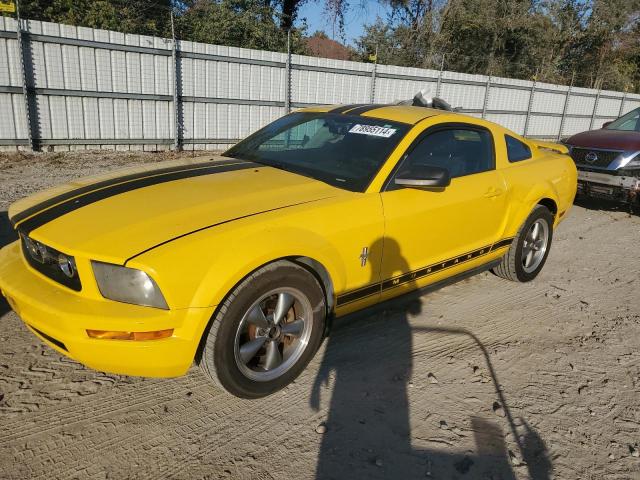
364,256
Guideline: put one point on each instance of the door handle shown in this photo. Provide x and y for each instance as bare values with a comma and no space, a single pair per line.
493,192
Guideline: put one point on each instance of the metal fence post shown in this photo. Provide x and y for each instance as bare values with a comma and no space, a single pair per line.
287,82
595,108
487,89
23,76
531,96
372,91
621,111
177,127
565,107
439,84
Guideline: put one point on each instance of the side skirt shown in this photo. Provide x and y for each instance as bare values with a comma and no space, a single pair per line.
414,294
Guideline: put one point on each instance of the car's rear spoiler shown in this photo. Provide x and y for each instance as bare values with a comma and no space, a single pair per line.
556,147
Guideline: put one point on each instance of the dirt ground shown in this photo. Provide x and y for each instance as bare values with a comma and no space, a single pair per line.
481,379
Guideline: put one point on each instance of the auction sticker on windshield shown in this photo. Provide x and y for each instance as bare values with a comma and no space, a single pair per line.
374,130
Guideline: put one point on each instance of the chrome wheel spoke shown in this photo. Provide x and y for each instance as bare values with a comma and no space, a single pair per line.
273,334
293,329
535,231
249,349
528,258
273,357
284,304
535,244
256,317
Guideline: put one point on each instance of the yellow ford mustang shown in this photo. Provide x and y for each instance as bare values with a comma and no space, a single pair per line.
238,261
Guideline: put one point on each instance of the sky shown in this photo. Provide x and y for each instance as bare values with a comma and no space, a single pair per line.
359,14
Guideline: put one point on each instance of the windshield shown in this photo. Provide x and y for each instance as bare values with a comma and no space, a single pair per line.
342,150
628,122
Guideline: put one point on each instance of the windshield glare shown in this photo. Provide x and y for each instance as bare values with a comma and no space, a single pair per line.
342,150
628,122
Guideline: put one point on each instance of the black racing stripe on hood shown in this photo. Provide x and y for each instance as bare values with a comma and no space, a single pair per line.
50,202
221,223
72,204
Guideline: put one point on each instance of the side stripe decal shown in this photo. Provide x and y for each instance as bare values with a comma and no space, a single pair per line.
20,216
93,196
379,287
502,243
358,294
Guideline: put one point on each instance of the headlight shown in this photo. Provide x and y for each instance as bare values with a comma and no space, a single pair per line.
67,264
56,265
127,285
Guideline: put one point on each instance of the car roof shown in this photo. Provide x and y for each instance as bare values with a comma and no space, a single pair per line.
397,113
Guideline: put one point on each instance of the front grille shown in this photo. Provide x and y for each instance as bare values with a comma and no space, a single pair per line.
585,156
45,260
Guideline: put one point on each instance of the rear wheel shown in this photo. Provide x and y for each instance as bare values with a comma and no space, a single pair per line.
266,331
529,249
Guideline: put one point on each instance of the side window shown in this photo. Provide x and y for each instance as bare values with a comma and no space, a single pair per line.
516,150
459,150
631,124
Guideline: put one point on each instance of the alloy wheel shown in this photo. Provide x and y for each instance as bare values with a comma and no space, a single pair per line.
535,245
273,334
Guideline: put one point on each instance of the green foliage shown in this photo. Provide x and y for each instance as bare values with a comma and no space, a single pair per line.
148,17
239,23
595,42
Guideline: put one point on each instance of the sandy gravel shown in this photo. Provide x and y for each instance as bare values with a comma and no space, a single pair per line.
482,379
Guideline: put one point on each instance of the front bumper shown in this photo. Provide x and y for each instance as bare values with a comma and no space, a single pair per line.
60,317
609,186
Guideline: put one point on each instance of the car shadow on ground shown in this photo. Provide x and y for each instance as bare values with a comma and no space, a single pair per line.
7,233
606,205
7,236
368,429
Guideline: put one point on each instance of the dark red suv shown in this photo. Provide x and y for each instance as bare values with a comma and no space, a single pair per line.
608,159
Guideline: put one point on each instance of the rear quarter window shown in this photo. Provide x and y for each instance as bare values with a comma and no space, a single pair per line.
516,150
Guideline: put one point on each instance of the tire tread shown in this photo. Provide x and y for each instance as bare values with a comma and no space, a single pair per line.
507,267
206,363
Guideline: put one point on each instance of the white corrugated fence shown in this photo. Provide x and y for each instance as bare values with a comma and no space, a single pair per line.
90,88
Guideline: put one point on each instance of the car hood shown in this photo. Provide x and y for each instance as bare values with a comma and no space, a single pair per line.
116,217
606,139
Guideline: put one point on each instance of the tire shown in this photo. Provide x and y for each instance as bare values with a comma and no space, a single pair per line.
238,328
513,265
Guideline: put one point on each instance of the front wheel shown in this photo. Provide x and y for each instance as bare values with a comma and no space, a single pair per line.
529,249
266,331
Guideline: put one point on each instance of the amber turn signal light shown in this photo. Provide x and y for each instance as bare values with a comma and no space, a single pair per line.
111,335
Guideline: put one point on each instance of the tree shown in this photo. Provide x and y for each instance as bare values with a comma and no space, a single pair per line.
147,17
239,23
606,44
546,39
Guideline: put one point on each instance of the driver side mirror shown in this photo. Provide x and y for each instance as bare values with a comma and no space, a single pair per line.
423,176
606,124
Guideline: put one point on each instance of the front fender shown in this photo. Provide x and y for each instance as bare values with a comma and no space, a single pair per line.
253,253
199,270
